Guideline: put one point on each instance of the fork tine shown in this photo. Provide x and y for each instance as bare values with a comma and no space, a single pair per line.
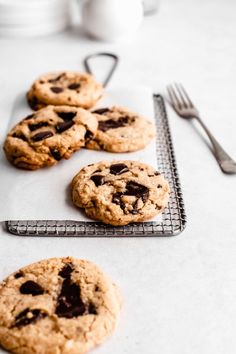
178,88
173,97
187,96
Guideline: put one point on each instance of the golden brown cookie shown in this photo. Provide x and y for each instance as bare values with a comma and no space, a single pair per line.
49,135
120,192
120,130
57,306
64,88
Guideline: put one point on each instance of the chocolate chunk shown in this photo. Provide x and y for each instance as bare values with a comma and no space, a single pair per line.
74,86
56,154
28,316
56,78
138,190
18,275
118,169
92,309
30,287
42,136
69,303
135,208
116,198
113,124
88,135
35,126
97,179
29,117
56,89
66,116
156,173
61,127
19,136
101,110
66,271
159,186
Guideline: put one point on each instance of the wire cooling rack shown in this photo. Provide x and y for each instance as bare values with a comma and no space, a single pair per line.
173,217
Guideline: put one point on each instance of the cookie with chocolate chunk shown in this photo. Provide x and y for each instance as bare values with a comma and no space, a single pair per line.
120,192
59,305
120,130
65,88
49,135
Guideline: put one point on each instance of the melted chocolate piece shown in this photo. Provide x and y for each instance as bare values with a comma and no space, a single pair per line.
35,126
156,173
23,318
61,127
42,136
159,186
56,78
92,309
18,275
19,136
118,169
101,110
56,89
135,208
29,117
133,189
88,135
113,124
69,302
97,179
74,86
66,271
136,189
66,116
30,287
117,200
56,154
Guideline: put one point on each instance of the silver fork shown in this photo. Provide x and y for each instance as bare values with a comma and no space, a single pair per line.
184,107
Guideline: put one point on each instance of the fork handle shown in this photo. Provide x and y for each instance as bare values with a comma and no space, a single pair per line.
225,162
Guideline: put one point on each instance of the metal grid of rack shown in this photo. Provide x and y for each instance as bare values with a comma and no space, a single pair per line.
173,217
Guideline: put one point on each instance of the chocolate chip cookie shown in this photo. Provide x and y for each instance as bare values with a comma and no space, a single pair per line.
49,135
64,88
120,192
120,130
57,306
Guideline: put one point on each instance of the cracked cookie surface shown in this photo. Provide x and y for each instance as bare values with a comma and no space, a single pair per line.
57,306
120,192
49,135
64,88
120,130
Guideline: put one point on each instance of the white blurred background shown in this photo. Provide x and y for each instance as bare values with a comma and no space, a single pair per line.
29,18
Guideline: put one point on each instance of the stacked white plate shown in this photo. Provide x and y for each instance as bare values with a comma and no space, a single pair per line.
26,18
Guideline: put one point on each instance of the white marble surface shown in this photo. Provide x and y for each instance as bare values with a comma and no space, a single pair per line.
179,293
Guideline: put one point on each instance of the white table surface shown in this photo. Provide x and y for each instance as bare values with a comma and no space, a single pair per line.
179,292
